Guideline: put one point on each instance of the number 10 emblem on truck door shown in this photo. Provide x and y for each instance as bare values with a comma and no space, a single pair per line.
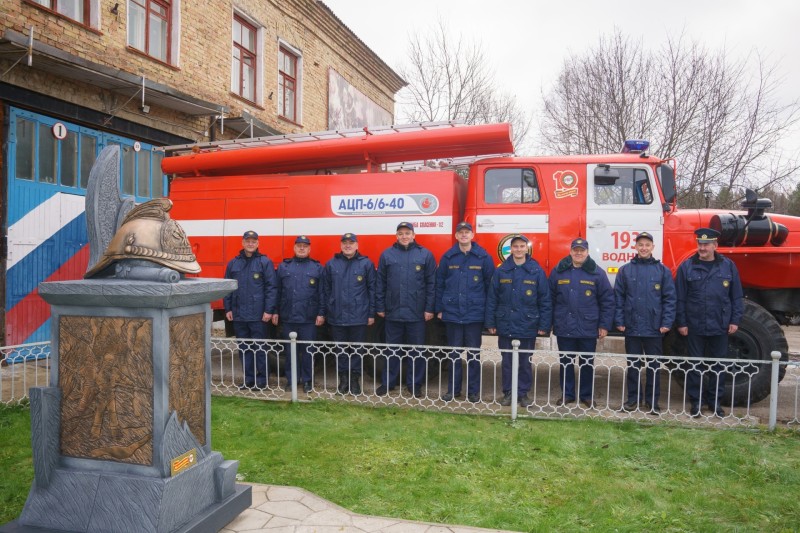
566,183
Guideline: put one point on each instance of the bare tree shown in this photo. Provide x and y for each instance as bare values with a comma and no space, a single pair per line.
451,79
721,123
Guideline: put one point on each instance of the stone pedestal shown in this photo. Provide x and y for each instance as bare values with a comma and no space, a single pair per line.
122,436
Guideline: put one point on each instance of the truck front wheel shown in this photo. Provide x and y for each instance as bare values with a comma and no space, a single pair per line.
759,334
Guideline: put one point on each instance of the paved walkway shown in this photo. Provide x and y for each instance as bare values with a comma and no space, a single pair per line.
294,510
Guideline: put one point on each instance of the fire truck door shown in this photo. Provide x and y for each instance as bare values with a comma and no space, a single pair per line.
621,202
512,203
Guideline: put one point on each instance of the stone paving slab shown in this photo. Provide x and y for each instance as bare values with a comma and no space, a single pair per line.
295,510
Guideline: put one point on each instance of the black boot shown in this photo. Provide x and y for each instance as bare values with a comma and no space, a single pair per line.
343,386
355,383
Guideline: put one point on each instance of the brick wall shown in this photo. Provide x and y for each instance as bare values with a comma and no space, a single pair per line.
204,60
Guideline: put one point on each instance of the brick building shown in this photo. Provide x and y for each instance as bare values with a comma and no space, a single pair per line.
78,75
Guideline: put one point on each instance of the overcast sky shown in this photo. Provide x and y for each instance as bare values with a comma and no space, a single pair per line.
528,40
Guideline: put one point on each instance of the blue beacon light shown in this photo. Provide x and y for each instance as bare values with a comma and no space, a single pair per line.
634,146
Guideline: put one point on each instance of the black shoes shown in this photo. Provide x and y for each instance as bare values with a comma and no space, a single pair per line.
383,390
647,408
587,404
564,401
416,392
448,397
307,387
695,410
523,400
474,398
349,383
718,411
653,409
506,401
355,384
343,387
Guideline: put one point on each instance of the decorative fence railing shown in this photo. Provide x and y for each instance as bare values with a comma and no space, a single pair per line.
28,366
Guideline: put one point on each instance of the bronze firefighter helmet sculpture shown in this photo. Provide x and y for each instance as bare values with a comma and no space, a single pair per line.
148,233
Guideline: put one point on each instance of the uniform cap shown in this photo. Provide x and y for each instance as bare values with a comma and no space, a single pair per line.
250,235
706,235
463,225
519,237
302,239
406,225
349,237
644,235
579,243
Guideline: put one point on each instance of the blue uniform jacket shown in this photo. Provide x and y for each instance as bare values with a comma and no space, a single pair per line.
583,300
645,298
300,290
708,300
462,281
518,303
257,291
349,288
406,283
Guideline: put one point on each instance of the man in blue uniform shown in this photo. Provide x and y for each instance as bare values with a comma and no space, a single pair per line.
709,309
645,310
462,279
518,307
250,306
404,296
583,311
301,307
348,284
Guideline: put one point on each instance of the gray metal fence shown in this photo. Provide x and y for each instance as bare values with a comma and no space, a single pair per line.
27,366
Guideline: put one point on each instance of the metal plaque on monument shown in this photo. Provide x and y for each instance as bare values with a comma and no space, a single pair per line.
122,435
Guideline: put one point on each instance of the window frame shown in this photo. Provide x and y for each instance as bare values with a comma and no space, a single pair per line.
40,123
90,12
172,8
627,190
498,197
297,80
257,58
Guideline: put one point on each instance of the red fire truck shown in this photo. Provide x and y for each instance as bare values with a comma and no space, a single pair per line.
324,185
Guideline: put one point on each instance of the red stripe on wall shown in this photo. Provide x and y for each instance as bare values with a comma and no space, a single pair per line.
31,312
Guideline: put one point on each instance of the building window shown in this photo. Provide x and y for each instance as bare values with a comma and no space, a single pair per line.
39,158
289,84
140,171
149,27
77,10
245,59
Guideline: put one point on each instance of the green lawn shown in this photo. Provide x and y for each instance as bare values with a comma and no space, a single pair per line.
530,475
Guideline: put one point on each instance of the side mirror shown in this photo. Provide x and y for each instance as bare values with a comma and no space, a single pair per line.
667,177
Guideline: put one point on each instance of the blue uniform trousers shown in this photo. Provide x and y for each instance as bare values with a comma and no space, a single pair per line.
253,355
585,366
652,388
349,358
305,332
468,336
711,389
525,377
404,333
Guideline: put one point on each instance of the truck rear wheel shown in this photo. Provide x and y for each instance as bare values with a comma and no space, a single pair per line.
759,334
